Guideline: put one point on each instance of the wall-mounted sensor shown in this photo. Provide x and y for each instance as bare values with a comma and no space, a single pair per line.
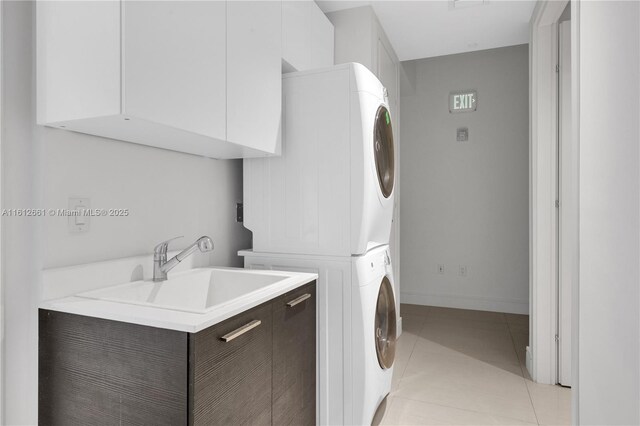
462,134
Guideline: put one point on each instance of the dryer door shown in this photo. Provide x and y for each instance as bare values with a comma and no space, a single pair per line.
383,151
385,325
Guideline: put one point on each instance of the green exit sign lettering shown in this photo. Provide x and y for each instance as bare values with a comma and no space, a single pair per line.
465,101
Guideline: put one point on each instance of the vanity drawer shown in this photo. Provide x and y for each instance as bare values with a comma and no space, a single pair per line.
231,370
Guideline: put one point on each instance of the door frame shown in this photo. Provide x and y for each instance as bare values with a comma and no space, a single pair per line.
568,227
1,223
541,355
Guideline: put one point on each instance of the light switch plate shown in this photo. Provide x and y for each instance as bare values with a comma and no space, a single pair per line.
78,223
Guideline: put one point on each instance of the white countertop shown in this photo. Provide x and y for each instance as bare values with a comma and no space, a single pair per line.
173,319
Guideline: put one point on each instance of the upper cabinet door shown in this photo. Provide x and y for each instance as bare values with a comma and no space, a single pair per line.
322,34
78,58
174,64
296,37
307,36
254,69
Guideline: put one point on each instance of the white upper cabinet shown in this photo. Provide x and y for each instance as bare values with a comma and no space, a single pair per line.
296,36
174,64
254,79
196,77
78,76
307,36
321,38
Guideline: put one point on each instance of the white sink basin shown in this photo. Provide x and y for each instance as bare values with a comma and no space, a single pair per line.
196,290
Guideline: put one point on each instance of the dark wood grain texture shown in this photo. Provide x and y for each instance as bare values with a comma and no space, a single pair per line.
294,359
99,372
232,380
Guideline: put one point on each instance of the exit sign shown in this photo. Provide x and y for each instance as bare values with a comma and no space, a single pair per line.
463,101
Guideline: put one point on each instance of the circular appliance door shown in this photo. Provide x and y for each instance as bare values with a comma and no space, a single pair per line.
383,151
385,325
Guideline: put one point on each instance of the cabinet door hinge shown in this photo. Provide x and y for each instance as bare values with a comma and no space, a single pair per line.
557,68
557,204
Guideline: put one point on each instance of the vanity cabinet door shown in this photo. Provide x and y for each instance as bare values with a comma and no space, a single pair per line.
95,371
294,357
231,364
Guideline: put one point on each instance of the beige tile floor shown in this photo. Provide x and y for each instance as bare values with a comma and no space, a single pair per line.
461,367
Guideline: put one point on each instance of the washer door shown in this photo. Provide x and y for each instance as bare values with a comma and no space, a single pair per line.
385,325
383,151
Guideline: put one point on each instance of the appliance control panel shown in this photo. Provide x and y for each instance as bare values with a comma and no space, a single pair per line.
378,265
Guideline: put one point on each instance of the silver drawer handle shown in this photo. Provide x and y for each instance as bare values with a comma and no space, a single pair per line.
297,300
240,331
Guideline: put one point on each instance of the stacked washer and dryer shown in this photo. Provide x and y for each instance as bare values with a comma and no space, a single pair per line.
326,206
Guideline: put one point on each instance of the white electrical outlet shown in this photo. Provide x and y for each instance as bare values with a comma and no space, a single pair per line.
441,268
462,270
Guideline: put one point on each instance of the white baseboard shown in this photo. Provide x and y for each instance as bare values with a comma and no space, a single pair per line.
511,306
529,360
399,327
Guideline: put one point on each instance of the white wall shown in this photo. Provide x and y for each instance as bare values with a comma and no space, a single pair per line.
168,193
21,236
466,203
609,293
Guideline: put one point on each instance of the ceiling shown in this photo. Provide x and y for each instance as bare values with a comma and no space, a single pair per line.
423,29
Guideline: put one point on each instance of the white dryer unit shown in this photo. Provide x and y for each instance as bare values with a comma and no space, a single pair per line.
356,329
331,192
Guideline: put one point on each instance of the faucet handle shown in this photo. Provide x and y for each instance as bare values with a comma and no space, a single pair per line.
163,246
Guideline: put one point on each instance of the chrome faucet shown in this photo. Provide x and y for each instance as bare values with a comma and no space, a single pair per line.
160,264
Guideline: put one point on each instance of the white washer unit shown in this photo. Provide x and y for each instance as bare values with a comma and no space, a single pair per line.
373,325
356,329
331,191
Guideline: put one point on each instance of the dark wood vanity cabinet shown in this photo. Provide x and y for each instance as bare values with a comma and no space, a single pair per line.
231,380
257,368
99,372
294,358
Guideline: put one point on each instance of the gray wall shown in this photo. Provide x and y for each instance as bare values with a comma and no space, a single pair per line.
466,203
168,193
608,375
